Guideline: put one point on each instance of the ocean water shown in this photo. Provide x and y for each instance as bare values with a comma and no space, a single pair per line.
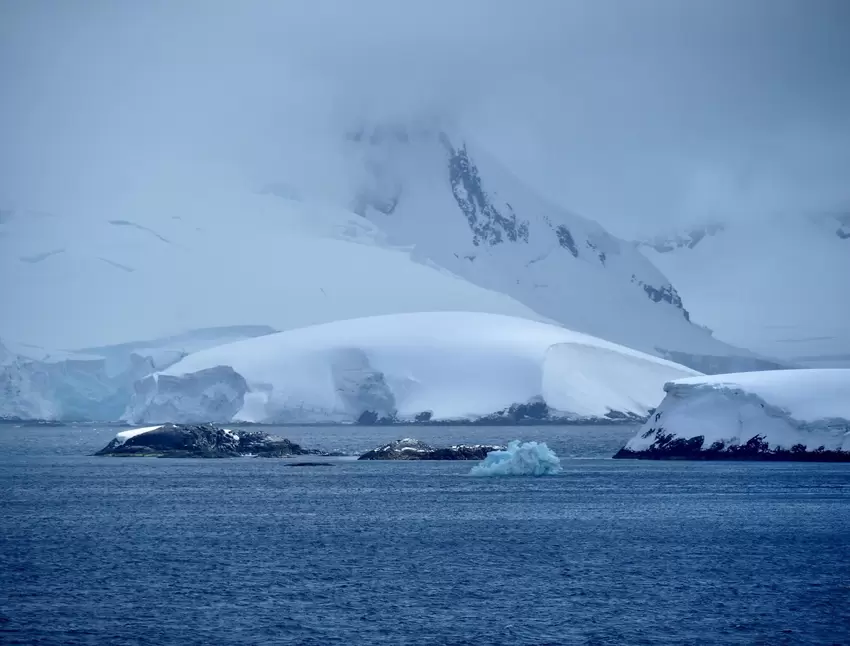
249,551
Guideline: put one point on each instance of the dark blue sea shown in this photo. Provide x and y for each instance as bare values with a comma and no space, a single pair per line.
249,551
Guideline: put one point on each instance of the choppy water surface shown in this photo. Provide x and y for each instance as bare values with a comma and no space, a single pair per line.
248,551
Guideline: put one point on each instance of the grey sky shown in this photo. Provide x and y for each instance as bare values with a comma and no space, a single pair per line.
642,114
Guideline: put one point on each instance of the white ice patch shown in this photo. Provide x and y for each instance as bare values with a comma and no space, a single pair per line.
519,459
123,436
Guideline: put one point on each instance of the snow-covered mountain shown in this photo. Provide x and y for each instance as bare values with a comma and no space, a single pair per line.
431,224
429,365
160,264
459,208
778,286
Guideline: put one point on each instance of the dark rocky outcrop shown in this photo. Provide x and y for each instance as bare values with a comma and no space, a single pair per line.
565,239
663,294
531,413
410,449
202,441
600,254
535,411
668,447
489,225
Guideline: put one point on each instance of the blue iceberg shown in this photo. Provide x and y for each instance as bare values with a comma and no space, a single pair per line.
519,459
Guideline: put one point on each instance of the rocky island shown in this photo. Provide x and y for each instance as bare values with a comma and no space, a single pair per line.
411,449
800,415
199,441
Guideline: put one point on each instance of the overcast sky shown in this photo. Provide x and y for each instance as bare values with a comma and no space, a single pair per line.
642,114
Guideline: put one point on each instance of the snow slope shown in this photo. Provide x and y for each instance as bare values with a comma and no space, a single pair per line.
777,286
462,210
806,409
404,221
149,265
453,364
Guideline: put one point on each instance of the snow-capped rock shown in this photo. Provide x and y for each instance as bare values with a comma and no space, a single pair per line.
777,286
448,365
772,415
411,449
201,441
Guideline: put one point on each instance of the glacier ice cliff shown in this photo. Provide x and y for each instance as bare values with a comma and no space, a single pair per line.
405,368
96,384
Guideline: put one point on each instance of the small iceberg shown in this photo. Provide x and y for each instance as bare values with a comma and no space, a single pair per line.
519,459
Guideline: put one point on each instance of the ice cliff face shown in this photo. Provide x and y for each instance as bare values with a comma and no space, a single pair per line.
214,395
408,367
94,383
461,210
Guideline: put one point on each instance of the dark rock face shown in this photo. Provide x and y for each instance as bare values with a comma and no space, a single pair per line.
600,254
663,294
531,412
668,447
488,224
201,441
566,240
371,418
410,449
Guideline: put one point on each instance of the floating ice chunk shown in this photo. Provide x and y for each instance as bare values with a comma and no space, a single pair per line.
519,459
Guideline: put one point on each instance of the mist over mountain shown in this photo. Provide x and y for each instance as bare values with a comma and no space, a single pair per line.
642,116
